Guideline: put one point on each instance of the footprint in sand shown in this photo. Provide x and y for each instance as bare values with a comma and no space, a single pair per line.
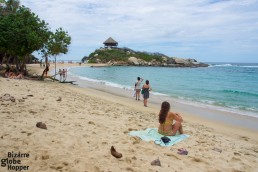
128,160
126,132
65,163
91,122
235,159
172,155
56,168
45,157
135,140
199,160
129,169
237,154
131,129
244,138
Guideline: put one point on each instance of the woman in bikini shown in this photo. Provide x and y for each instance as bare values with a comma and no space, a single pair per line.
166,119
145,91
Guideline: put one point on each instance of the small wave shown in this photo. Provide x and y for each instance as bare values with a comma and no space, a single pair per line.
249,66
233,65
240,92
111,84
159,94
247,111
221,65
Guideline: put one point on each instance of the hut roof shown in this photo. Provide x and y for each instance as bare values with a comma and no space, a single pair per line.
110,40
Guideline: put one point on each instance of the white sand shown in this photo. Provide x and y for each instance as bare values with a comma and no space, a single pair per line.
86,123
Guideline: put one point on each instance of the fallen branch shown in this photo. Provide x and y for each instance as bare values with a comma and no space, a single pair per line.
71,82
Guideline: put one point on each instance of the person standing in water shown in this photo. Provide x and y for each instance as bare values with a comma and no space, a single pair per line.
137,88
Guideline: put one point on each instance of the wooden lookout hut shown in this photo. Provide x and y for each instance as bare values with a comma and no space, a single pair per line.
110,42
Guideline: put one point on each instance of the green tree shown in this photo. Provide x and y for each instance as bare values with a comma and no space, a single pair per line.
9,6
57,44
22,33
6,8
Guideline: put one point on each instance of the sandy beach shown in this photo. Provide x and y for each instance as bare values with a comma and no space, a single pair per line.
86,122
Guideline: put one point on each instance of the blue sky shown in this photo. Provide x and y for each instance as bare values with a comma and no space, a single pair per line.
207,30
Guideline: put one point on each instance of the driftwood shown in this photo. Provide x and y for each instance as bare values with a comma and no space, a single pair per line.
50,77
64,81
71,82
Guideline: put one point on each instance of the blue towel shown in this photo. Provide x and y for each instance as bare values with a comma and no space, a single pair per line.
151,134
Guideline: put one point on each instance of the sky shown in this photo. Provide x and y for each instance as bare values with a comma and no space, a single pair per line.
206,30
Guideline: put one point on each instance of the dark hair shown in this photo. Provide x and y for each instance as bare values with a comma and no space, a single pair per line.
165,107
147,82
138,78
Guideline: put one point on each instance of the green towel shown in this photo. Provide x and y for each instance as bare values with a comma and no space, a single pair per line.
151,134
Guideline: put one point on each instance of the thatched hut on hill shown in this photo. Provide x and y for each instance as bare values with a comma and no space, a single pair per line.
110,42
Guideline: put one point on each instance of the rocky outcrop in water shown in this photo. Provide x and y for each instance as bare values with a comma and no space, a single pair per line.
128,57
167,62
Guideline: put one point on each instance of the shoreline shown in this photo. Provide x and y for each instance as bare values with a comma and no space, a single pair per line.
213,117
83,126
208,112
195,103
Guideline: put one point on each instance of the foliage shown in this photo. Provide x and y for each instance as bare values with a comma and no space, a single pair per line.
148,57
22,32
107,55
122,54
59,42
9,6
92,61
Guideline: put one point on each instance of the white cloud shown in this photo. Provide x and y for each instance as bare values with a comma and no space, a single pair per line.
176,28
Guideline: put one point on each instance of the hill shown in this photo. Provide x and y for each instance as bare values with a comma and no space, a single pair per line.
129,57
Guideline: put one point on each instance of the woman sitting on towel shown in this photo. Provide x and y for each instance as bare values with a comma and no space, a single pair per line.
166,119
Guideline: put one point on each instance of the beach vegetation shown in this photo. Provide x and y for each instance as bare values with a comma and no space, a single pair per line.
9,6
91,61
126,56
121,54
57,43
22,32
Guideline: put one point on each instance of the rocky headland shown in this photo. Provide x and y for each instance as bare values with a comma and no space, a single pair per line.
129,57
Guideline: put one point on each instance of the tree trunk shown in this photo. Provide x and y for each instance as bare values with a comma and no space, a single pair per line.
55,66
23,66
9,57
3,59
46,63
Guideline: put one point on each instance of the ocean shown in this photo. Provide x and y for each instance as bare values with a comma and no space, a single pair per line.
224,86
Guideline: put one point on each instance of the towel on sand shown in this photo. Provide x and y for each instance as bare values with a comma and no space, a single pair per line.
151,134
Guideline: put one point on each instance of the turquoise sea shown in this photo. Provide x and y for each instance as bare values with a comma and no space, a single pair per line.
224,86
